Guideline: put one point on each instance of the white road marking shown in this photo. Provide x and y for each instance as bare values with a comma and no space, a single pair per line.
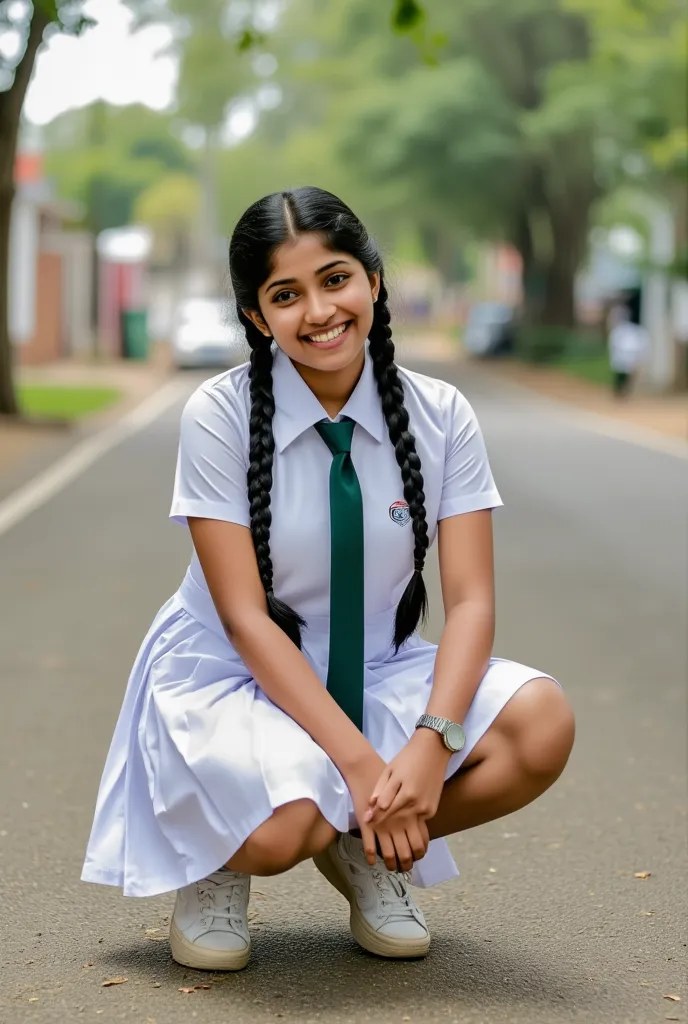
46,485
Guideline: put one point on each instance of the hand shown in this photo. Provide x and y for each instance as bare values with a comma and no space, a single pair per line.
403,838
360,781
412,783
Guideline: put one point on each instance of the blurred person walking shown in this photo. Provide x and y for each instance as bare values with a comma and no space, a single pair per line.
283,705
628,347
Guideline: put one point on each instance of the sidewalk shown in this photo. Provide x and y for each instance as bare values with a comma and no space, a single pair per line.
664,414
21,444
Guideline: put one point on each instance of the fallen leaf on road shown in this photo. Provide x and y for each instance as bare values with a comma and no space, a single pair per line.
187,991
152,931
672,1018
87,964
32,999
156,938
406,1018
674,999
157,984
114,981
642,874
27,962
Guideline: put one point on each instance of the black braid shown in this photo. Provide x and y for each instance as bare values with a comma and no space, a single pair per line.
259,477
413,606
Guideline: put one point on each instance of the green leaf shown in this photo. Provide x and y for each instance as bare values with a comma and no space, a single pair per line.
407,15
249,39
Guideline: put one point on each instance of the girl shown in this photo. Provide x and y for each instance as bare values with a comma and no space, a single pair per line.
283,705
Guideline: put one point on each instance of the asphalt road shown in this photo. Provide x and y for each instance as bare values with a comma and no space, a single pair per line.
547,923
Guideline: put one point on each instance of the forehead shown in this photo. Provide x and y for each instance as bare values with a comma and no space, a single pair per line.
302,257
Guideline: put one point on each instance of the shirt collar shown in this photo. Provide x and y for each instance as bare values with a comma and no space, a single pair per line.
297,408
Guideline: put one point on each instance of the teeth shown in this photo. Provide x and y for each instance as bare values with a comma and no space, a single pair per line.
330,336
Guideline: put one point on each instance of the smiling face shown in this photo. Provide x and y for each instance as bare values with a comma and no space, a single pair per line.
317,304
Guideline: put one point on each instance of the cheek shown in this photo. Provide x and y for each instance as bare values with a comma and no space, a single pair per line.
361,304
283,323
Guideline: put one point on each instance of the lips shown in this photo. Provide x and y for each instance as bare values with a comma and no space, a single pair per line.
329,336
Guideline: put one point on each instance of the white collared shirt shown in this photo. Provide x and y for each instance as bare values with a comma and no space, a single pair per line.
213,460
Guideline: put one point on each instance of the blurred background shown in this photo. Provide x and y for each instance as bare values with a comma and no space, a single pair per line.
523,167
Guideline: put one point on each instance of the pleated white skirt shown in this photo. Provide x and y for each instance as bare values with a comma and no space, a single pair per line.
201,757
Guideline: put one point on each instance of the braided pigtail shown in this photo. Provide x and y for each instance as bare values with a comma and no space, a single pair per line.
413,606
259,477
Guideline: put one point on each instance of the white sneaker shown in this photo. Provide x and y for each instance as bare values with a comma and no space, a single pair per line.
384,919
209,929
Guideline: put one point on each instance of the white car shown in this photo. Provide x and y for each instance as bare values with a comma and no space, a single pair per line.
204,334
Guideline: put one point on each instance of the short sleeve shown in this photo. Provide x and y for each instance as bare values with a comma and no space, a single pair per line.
468,482
212,461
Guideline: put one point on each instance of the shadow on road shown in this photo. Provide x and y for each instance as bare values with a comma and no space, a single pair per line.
303,972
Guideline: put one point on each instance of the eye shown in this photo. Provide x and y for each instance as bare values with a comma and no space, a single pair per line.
337,279
284,296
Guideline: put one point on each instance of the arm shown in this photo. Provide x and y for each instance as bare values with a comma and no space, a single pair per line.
225,551
467,575
414,779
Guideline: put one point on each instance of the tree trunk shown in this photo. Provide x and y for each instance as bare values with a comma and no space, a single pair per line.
569,226
532,271
11,103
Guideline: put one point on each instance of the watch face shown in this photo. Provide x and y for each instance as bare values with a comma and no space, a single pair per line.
455,736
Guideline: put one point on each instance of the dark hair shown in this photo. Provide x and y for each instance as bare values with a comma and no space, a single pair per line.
265,226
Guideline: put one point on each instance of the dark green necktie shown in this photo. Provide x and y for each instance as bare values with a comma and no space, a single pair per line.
345,664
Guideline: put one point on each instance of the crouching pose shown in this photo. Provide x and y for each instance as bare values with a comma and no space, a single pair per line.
283,705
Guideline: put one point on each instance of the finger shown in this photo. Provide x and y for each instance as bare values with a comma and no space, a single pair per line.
369,845
417,841
403,848
388,795
380,785
424,831
403,803
387,850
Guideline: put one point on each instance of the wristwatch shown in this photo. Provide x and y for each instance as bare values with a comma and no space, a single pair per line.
451,732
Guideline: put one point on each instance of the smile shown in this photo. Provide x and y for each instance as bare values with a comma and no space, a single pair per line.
331,335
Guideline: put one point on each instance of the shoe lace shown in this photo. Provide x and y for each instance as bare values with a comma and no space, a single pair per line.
223,901
394,894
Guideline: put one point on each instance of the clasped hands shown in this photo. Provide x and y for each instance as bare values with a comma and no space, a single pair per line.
393,802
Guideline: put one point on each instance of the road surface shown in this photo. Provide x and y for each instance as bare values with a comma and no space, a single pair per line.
548,921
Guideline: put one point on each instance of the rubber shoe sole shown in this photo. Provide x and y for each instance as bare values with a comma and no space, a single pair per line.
190,954
365,935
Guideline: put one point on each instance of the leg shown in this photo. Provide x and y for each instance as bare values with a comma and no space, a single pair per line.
294,832
523,752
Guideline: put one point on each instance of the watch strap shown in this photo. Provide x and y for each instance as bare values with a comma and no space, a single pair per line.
433,722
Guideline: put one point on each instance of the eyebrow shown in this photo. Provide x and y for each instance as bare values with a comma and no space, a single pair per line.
321,270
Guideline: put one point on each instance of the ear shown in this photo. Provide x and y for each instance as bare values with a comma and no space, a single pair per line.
374,284
256,318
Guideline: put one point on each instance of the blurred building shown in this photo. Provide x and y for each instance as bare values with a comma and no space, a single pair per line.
50,270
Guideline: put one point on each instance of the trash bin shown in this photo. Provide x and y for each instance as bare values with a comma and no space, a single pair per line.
135,334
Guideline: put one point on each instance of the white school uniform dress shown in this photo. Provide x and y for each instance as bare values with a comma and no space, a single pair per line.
200,755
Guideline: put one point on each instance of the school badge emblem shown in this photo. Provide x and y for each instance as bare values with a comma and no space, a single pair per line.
399,513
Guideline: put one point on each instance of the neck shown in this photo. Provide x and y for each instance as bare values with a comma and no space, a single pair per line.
333,388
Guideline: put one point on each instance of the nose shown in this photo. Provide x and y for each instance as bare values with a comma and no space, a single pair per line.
319,309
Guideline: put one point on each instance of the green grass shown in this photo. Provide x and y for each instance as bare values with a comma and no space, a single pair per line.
68,403
593,367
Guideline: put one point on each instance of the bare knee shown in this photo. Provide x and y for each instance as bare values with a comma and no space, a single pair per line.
294,832
544,730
